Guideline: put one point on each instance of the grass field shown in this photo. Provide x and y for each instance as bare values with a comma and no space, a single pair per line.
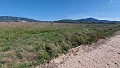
25,45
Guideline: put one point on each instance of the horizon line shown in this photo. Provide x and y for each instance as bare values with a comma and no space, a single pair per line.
109,19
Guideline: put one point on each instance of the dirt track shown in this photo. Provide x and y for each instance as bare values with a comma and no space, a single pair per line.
104,54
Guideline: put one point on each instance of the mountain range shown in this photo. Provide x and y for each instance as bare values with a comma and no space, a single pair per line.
86,20
16,19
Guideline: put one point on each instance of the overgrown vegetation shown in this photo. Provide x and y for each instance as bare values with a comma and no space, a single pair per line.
29,44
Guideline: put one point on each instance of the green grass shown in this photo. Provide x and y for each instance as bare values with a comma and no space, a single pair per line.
38,44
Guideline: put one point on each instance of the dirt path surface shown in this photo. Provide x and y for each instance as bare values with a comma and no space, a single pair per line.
104,54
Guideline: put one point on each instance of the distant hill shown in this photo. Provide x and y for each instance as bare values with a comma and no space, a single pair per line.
87,20
22,19
16,19
92,20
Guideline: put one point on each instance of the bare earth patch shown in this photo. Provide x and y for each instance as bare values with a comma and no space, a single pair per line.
104,54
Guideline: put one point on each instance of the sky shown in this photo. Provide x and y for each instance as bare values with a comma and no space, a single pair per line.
48,10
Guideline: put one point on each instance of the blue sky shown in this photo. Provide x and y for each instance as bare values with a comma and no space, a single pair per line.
61,9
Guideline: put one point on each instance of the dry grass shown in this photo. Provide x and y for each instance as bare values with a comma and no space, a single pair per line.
29,44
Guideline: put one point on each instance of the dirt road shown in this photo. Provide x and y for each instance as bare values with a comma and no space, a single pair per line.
104,54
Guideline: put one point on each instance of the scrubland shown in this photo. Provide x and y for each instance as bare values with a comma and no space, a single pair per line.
26,45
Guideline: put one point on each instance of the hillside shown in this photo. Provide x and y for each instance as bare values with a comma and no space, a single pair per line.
16,19
86,20
92,20
23,19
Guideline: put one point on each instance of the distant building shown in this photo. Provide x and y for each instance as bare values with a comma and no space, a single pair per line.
22,21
